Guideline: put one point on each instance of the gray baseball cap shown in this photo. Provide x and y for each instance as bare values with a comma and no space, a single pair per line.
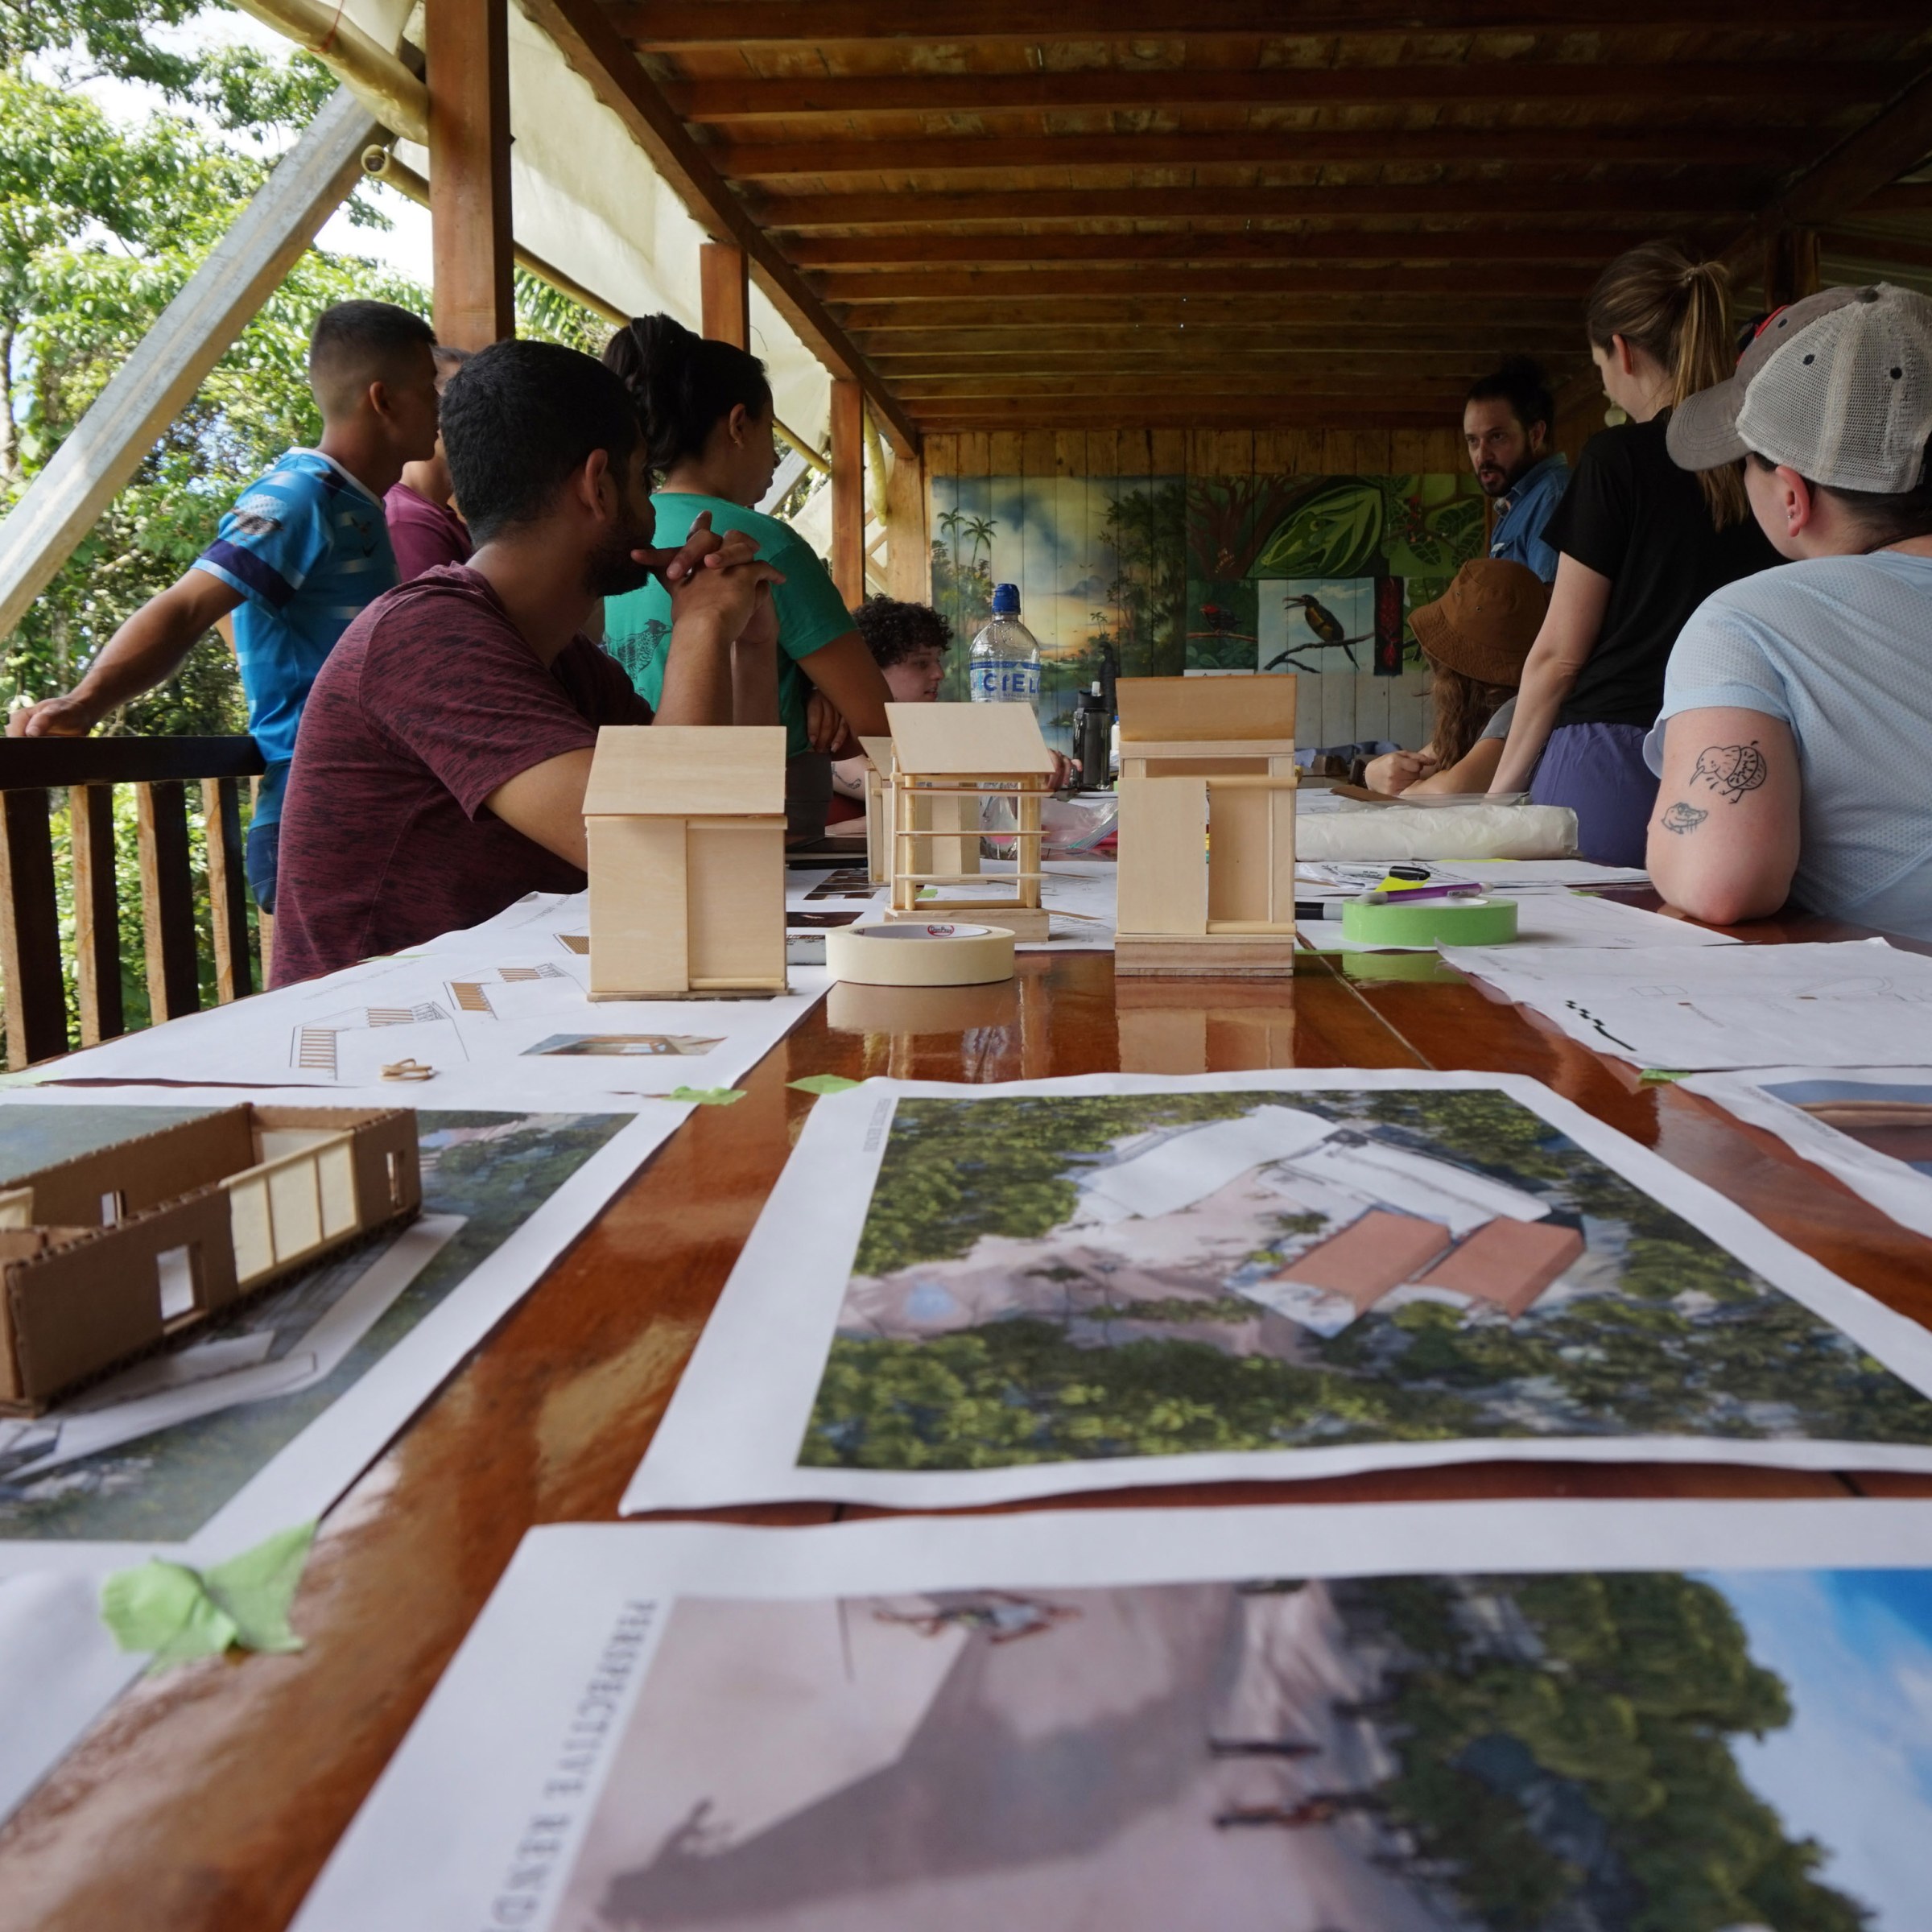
1838,385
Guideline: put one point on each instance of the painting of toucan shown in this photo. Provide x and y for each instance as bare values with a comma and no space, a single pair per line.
1330,633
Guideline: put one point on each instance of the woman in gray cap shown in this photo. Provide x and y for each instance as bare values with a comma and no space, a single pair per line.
1791,739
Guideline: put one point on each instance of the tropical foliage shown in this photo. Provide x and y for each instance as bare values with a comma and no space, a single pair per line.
101,223
1566,1755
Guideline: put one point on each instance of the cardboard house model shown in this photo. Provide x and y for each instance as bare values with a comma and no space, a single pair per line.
1207,826
686,828
948,761
108,1254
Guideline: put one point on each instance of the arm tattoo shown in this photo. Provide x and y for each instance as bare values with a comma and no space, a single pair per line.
1682,818
1733,770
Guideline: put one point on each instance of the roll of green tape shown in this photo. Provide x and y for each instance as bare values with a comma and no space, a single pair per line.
1430,922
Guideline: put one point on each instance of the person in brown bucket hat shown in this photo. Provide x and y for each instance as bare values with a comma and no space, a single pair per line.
1475,636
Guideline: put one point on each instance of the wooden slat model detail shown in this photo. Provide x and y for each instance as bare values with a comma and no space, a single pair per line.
1207,826
948,760
108,1254
686,829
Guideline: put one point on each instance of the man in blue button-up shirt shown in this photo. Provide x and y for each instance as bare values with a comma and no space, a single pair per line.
1506,424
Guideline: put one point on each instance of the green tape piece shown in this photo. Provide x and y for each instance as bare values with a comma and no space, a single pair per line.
178,1613
256,1588
708,1096
823,1082
1663,1074
1430,922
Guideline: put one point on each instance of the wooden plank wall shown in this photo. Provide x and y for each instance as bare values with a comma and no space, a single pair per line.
1335,708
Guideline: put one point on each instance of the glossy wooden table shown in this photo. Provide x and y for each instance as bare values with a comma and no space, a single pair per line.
209,1798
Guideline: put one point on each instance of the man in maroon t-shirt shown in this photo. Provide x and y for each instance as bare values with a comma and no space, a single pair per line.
439,772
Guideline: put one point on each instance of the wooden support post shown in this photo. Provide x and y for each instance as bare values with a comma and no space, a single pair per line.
1790,266
227,889
469,169
30,931
848,490
90,813
167,902
724,286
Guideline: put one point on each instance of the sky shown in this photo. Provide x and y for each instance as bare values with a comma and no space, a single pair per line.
404,248
1854,1767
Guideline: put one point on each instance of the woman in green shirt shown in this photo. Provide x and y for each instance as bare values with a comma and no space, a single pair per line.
707,412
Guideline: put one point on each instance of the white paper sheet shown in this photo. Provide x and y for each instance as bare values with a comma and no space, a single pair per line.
987,1349
501,1014
1552,918
1141,1719
222,1495
1859,1003
1870,1127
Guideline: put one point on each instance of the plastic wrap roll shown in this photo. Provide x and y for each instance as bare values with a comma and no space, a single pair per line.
1380,833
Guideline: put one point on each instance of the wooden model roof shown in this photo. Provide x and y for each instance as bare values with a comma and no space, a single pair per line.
967,740
1096,213
686,771
1205,710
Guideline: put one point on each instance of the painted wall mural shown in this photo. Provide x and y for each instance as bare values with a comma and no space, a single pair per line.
1312,576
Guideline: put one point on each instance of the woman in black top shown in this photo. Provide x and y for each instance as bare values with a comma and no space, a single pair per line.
1641,544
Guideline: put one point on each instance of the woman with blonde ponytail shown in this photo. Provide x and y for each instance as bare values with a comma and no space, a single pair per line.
1641,544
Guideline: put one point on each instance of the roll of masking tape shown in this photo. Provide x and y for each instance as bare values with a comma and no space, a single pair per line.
1430,922
909,954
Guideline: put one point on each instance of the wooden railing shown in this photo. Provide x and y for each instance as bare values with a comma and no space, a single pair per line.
88,769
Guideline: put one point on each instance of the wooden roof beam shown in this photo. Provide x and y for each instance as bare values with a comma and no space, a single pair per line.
1892,142
668,25
1533,318
949,347
730,102
927,155
1156,412
1703,191
1486,283
1180,246
584,35
1197,353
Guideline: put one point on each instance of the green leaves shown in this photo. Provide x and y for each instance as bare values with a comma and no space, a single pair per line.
823,1082
179,1613
708,1096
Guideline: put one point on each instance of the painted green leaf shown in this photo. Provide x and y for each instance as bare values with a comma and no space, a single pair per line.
1337,533
823,1082
706,1097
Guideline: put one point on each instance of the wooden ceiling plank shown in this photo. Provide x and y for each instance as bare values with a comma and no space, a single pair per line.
927,155
584,35
1487,283
1261,245
731,102
1704,192
1536,318
668,25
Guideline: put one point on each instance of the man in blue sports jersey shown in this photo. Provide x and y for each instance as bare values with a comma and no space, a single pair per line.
303,551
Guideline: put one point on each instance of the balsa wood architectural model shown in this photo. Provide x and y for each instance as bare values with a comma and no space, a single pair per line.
878,810
1207,826
948,760
108,1254
686,828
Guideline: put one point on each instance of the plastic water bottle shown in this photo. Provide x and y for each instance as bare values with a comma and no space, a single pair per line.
1004,666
